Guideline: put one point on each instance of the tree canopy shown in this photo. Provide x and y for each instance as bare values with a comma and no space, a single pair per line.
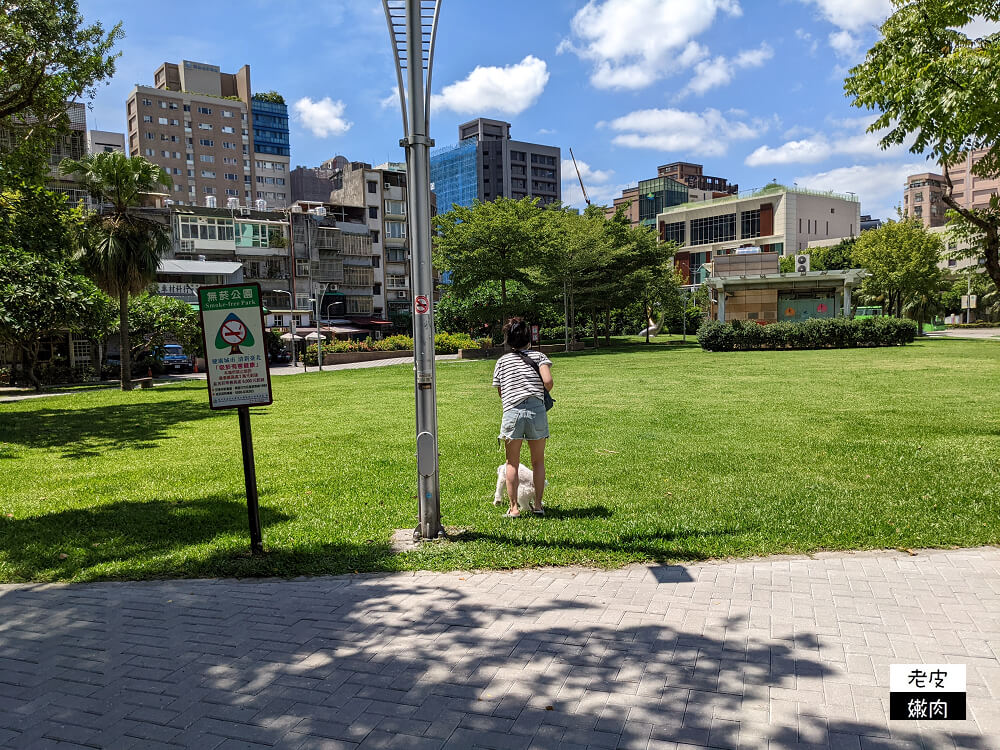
901,258
48,57
936,86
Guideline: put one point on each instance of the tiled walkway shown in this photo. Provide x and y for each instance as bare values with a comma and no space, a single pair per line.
774,653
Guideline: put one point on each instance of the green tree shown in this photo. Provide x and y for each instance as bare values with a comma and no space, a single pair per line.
38,221
120,248
48,57
901,258
42,297
934,84
494,241
153,320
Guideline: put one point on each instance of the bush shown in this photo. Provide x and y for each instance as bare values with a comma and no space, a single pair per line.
444,343
450,343
979,324
396,343
816,333
57,371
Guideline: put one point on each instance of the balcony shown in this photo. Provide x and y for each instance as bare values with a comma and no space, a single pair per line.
396,282
359,276
357,245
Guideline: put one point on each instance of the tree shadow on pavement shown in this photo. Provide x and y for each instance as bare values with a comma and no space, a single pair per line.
489,660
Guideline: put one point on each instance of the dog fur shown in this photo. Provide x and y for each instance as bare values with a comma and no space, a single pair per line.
525,486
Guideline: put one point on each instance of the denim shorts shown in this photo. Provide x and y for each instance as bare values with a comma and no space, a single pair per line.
526,421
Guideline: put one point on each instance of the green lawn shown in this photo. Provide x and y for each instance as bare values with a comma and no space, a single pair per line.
658,453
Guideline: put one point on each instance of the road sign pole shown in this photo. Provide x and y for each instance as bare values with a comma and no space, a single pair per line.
412,27
250,479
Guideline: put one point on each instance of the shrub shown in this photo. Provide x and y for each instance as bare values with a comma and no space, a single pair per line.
816,333
450,343
400,342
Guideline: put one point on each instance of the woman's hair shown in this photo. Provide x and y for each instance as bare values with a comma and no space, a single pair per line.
517,333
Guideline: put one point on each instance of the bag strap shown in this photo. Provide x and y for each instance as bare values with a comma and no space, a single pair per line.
531,362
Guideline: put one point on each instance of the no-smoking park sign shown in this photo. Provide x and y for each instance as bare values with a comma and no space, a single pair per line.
235,354
421,305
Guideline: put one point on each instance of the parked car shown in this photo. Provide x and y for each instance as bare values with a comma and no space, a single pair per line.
279,357
175,360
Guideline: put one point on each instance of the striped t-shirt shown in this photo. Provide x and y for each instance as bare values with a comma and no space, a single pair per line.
517,379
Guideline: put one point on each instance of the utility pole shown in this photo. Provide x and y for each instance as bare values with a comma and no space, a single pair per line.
413,31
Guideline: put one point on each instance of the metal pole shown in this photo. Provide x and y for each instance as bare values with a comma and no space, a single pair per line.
566,315
319,327
413,34
968,294
684,318
250,479
291,322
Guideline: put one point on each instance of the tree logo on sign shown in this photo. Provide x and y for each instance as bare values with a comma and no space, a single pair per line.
232,333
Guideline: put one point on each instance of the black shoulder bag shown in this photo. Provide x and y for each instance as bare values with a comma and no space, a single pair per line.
549,401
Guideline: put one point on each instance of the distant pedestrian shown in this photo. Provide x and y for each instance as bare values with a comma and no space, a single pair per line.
522,378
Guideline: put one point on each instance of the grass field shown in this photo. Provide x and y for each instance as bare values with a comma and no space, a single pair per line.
658,453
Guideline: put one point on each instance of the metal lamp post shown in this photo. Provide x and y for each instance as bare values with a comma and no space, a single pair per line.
413,30
291,321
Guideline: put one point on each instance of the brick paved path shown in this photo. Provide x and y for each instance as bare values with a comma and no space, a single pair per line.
775,653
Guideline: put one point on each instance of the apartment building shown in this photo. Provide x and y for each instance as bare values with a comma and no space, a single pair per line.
212,135
313,183
923,193
487,164
334,262
775,219
381,191
674,184
218,245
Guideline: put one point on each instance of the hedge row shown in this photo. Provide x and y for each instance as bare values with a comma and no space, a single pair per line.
444,343
816,333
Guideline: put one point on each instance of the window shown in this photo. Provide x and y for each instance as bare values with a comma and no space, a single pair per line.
517,155
713,229
204,110
231,192
227,144
376,261
187,107
208,190
208,174
750,223
175,122
204,126
255,235
231,176
150,152
147,118
147,103
227,129
173,105
207,159
226,113
163,105
674,232
918,196
374,236
377,289
395,255
206,142
177,155
230,160
373,212
279,180
165,154
162,120
395,229
150,136
372,186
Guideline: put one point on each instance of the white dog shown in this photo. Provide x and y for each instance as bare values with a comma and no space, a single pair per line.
525,486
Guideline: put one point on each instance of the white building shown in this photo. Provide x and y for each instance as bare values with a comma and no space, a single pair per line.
775,219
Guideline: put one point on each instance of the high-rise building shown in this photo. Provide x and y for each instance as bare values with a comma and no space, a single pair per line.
69,143
923,193
213,136
486,164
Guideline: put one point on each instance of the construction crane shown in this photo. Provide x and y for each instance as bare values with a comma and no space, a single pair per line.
579,177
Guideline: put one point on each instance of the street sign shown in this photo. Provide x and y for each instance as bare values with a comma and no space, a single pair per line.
235,350
535,338
421,304
232,329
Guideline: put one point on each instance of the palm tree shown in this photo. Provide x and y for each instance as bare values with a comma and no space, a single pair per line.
120,249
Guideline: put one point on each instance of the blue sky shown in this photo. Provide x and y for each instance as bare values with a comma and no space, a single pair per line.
752,89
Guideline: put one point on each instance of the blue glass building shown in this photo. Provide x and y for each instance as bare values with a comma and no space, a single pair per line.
270,128
453,175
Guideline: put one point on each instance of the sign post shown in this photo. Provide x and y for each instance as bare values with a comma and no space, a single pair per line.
232,325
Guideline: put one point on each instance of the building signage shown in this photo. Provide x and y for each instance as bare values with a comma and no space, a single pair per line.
235,350
926,691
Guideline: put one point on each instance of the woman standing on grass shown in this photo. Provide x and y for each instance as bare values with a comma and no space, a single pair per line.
522,378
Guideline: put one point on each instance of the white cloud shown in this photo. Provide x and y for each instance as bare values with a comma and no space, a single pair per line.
879,186
719,71
392,100
546,131
853,15
845,44
847,141
806,151
705,134
633,43
600,195
322,118
511,89
588,173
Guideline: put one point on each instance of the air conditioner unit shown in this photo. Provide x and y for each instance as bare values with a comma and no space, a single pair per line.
400,295
187,246
802,263
387,185
244,210
333,288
